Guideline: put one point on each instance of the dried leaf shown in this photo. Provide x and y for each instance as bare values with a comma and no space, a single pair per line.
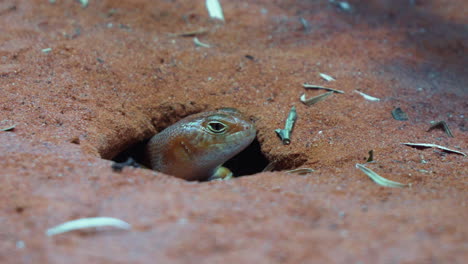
313,86
314,99
84,223
327,77
399,114
214,9
426,145
301,171
200,44
368,97
8,128
84,3
190,33
7,125
443,125
285,134
379,179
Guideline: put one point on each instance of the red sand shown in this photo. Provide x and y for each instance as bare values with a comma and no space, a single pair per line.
116,74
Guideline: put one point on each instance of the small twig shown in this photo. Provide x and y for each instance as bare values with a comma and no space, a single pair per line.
443,125
285,134
313,86
314,99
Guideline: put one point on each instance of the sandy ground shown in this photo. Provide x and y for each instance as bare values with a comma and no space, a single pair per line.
83,84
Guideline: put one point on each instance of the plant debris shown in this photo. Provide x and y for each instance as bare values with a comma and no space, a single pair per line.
343,5
192,33
200,44
399,114
426,145
84,3
285,134
214,9
118,166
443,125
305,24
315,99
10,128
371,156
327,77
313,86
7,125
84,223
368,97
379,179
301,171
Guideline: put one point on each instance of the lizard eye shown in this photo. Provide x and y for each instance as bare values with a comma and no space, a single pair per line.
216,127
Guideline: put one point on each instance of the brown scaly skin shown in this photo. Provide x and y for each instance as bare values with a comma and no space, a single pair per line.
195,147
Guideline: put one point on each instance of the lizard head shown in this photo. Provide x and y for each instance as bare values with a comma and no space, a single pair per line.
219,135
197,145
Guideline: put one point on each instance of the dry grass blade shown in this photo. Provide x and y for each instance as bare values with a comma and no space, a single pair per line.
214,9
7,125
190,33
200,44
327,77
84,3
8,128
443,125
426,145
368,97
301,171
379,179
313,86
84,223
315,99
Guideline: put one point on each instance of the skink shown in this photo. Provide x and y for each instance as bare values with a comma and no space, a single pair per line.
195,147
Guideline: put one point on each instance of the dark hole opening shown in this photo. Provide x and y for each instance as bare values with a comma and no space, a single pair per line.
136,152
250,161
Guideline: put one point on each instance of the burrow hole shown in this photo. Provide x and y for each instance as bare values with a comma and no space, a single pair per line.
250,161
